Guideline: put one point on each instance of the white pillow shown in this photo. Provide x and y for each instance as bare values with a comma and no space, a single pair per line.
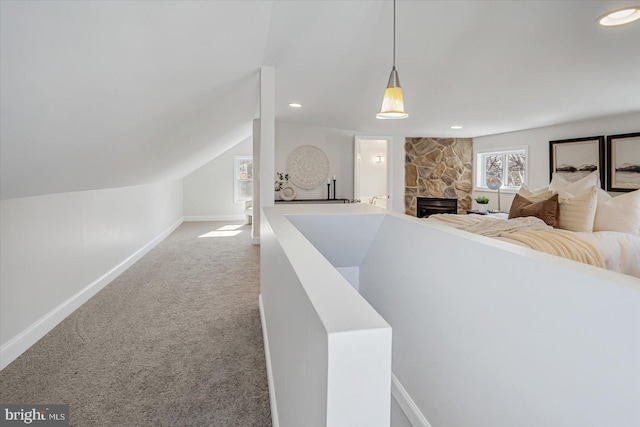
579,187
536,191
577,213
535,195
557,183
603,196
621,213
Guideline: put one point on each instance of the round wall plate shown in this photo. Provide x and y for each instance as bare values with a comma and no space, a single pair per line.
308,167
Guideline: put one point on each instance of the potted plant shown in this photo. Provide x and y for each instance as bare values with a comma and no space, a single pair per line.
283,178
285,190
482,202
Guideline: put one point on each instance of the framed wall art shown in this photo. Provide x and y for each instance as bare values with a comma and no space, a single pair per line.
576,158
623,162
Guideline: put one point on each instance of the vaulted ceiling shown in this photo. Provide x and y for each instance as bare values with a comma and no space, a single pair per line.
111,93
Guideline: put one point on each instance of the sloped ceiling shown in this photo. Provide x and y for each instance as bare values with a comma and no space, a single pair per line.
111,94
108,93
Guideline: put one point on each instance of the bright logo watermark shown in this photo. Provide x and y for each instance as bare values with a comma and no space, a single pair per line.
34,415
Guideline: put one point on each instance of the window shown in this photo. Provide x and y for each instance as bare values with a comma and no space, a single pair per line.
509,166
243,179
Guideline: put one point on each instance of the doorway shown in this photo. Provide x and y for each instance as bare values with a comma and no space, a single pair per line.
371,170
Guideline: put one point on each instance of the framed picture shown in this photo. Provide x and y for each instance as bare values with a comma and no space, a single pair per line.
576,158
623,154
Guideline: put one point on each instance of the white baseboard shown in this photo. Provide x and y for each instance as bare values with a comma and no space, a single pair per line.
197,218
25,339
267,355
255,240
407,404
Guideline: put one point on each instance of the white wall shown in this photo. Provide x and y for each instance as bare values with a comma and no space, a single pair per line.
257,171
208,191
60,249
373,175
328,352
538,142
535,345
264,147
396,163
337,144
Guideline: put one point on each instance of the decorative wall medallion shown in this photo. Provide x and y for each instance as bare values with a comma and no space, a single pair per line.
288,192
308,166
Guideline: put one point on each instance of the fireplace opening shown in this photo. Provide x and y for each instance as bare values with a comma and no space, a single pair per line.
431,205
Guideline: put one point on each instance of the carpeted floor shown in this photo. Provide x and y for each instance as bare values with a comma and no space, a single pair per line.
173,341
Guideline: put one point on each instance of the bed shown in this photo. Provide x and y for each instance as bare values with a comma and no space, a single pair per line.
612,250
575,220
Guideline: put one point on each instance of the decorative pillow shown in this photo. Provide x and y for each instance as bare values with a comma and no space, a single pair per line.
603,196
546,210
578,212
558,182
579,187
536,191
620,213
535,195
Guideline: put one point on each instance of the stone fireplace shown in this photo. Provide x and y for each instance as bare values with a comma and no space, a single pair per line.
438,168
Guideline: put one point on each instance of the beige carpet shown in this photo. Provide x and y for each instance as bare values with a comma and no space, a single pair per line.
173,341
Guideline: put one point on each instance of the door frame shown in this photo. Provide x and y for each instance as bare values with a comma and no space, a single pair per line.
388,165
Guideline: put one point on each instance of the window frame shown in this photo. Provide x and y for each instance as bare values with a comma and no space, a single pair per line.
479,180
237,160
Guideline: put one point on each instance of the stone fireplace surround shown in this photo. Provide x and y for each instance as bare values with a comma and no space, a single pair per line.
438,167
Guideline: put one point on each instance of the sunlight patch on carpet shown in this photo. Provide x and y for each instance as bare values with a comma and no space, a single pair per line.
229,227
224,231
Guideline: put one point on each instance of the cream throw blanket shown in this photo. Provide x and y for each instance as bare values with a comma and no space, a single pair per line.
530,232
490,226
558,242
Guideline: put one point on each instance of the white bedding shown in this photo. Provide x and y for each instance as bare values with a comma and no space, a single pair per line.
620,252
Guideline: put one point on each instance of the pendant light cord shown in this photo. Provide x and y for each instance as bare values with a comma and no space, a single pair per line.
394,34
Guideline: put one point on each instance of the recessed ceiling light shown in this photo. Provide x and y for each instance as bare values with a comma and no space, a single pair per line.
620,17
295,105
456,127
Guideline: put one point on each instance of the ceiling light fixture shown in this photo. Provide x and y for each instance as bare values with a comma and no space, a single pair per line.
456,127
620,17
295,105
393,101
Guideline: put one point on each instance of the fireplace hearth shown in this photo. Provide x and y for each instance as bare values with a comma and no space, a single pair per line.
431,205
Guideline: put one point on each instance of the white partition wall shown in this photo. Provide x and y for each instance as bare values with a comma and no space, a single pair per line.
485,333
491,334
328,352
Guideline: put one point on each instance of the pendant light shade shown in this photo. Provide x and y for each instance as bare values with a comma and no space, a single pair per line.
393,101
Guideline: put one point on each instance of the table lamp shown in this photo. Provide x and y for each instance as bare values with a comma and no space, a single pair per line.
494,183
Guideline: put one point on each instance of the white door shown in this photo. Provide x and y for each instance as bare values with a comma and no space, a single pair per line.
371,170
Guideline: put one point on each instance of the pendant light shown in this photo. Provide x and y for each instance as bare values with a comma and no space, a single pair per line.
393,101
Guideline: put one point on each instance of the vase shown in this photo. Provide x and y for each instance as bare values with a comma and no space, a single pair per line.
288,192
482,207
